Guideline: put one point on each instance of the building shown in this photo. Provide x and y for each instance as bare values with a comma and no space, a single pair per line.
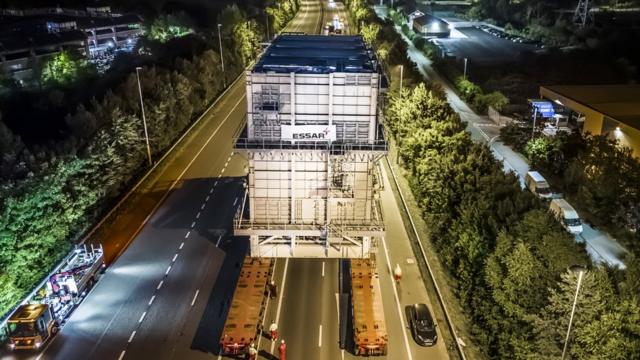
312,140
613,110
431,26
29,37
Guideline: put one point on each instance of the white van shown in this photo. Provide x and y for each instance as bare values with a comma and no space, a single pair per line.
537,184
565,213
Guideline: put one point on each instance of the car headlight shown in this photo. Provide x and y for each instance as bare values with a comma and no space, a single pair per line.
38,344
12,346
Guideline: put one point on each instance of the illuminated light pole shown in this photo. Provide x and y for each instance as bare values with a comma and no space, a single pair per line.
580,271
401,70
224,77
464,76
144,119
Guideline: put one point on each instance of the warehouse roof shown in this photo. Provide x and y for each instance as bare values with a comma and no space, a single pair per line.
316,54
619,102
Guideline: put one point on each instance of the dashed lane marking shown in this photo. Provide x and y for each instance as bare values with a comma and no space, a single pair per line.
121,355
203,205
174,258
188,233
218,243
168,269
195,297
320,337
160,284
142,317
198,215
193,224
132,335
181,246
235,202
207,198
151,300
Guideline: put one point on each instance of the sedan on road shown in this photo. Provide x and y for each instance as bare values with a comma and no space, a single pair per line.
421,324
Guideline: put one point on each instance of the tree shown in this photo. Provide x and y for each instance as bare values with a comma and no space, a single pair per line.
62,69
247,38
167,27
370,33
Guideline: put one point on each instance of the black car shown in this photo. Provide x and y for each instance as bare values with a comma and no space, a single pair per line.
421,323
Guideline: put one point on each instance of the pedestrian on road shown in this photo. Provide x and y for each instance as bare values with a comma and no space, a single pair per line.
397,273
253,353
273,330
283,349
273,290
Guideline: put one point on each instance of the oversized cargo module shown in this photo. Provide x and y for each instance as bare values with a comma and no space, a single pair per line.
248,305
369,329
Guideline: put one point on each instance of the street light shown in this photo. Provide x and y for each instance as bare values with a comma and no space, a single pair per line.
401,70
464,76
224,77
144,119
580,270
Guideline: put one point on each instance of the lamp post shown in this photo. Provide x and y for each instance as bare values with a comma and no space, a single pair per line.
464,76
224,77
580,270
144,119
401,70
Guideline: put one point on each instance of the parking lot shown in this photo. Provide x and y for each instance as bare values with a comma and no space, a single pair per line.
481,47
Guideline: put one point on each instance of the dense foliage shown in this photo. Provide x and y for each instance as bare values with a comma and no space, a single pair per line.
508,255
50,198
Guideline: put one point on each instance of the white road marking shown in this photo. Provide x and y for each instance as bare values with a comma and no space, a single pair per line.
142,317
284,282
159,284
215,183
193,224
235,202
218,243
320,337
119,357
168,269
211,190
207,198
132,335
203,205
198,215
151,301
174,258
323,269
229,158
220,175
181,246
195,297
395,293
188,233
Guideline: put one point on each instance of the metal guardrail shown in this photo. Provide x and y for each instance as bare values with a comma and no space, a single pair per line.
337,147
429,270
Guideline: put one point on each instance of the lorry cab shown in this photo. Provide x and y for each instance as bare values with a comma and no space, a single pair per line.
537,184
567,215
31,326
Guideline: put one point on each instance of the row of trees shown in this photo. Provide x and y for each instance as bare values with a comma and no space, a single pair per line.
508,255
44,212
601,178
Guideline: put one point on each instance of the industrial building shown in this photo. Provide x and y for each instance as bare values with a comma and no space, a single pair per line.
312,141
613,110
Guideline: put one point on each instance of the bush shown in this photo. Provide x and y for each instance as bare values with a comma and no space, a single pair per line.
468,90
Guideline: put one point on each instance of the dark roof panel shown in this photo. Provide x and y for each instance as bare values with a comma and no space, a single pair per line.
317,54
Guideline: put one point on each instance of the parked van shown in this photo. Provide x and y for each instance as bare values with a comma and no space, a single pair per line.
537,184
565,213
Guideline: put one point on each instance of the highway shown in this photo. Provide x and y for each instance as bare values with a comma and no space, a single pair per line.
162,296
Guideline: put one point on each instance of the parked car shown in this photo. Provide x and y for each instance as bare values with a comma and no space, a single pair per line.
421,324
537,184
567,215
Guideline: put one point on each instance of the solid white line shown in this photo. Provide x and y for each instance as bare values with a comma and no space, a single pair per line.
195,297
284,282
235,202
151,301
198,215
395,293
121,355
207,199
159,284
132,335
323,269
203,205
218,243
188,233
320,337
193,224
168,269
142,317
174,258
181,246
